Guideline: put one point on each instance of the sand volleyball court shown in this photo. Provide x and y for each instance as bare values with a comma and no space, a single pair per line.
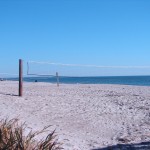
85,116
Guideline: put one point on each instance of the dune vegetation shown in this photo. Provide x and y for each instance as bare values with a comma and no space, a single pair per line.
13,137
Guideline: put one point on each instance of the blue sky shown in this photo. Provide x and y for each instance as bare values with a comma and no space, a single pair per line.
97,32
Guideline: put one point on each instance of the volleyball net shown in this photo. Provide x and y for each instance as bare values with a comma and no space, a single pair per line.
79,70
51,69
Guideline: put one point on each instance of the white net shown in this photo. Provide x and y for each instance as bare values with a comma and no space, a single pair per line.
78,70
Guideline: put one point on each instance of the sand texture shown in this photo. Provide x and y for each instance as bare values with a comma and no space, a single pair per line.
86,117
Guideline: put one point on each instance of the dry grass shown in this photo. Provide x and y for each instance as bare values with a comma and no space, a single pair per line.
12,137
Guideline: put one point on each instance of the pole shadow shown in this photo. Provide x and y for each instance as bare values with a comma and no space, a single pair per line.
9,94
135,146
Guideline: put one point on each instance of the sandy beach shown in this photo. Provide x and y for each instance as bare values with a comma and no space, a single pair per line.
86,117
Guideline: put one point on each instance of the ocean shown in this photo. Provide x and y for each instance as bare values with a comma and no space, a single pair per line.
123,80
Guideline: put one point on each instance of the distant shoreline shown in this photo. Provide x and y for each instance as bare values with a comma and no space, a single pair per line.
118,80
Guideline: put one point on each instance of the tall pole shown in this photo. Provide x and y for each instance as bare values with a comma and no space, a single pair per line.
57,79
20,77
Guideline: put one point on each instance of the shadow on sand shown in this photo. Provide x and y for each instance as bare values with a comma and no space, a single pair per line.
8,94
137,146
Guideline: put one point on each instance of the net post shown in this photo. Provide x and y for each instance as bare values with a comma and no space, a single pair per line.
20,77
57,79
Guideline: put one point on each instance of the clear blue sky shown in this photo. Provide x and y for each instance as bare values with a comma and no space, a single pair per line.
98,32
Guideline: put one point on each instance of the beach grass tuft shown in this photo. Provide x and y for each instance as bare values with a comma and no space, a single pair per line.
12,137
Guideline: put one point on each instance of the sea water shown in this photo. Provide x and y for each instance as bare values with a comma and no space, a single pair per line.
124,80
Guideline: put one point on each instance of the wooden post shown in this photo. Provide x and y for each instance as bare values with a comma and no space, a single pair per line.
20,77
57,79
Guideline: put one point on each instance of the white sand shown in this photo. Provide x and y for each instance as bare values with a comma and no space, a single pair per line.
85,116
